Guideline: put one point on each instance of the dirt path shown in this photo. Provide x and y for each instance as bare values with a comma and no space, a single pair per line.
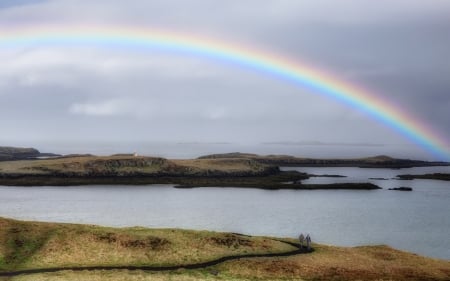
162,268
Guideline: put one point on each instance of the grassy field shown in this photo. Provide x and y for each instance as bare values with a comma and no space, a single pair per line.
125,164
340,263
27,245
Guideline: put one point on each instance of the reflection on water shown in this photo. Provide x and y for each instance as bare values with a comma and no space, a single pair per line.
416,221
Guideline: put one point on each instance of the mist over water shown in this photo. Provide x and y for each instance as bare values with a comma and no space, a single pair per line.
182,150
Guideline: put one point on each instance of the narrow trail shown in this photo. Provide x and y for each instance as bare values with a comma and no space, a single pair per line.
162,268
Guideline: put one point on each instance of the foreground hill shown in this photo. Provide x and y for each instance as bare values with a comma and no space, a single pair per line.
380,161
34,245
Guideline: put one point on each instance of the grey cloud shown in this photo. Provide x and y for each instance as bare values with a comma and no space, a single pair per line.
13,3
396,49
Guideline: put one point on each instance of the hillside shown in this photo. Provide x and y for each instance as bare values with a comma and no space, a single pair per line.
56,246
125,165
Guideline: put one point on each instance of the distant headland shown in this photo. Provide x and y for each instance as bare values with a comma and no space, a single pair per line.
380,161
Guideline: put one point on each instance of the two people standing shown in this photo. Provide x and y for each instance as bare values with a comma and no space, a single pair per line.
306,240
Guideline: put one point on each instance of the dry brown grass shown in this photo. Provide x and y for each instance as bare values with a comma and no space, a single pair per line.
228,165
80,164
339,263
50,245
116,275
124,164
81,245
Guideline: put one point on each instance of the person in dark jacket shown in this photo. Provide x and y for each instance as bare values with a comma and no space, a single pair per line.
301,239
308,242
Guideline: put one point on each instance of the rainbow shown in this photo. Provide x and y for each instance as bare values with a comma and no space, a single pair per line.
251,58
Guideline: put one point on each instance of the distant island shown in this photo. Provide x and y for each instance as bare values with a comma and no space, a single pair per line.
381,161
29,167
8,153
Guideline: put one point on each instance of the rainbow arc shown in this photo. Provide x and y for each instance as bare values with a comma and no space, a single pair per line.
252,58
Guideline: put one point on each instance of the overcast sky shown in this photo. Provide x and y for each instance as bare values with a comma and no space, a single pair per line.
396,48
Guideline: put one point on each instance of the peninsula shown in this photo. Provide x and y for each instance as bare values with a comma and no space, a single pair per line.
135,170
28,167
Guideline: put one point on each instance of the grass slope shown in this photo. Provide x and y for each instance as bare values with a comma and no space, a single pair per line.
126,165
39,245
26,245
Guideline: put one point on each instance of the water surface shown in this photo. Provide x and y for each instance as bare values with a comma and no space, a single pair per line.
416,221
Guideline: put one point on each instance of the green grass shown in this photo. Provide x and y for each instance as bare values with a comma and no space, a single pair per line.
21,243
46,245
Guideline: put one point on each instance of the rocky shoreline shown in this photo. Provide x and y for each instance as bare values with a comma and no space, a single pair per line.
435,176
281,180
219,170
140,170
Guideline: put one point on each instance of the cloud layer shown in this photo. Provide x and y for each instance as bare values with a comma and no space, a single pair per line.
396,49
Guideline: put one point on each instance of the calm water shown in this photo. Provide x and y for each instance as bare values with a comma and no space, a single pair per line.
416,221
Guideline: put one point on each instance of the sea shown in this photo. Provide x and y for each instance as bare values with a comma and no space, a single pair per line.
416,221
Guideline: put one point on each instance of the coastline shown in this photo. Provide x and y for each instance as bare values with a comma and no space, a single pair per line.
218,170
281,180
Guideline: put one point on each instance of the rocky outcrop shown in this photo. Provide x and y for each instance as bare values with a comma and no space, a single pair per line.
8,153
435,176
401,188
17,153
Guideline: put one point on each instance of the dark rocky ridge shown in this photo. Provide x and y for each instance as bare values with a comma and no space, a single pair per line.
14,153
435,176
403,188
8,153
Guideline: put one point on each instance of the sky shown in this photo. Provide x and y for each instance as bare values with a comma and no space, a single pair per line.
396,49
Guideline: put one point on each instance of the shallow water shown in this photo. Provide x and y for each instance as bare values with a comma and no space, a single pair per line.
416,221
